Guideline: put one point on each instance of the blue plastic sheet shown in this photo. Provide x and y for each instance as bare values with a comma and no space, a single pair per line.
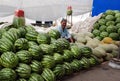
100,6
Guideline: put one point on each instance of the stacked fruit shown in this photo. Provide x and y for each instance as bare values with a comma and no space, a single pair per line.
26,55
108,25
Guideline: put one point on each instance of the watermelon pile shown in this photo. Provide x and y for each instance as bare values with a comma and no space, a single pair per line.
26,55
108,25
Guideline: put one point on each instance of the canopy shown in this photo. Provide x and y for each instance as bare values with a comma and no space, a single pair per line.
44,10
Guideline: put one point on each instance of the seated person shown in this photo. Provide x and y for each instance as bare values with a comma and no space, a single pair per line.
64,31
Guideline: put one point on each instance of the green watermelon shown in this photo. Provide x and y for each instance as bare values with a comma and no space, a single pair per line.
22,31
5,45
86,51
96,32
31,35
48,75
21,79
110,12
31,43
36,52
102,28
9,60
85,63
76,52
67,55
68,68
58,57
21,44
114,36
43,38
96,25
7,74
35,77
59,71
111,29
77,66
110,18
36,66
47,49
54,33
24,56
104,34
102,21
23,70
48,61
108,23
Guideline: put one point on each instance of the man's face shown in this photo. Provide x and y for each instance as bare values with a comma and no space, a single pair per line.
64,23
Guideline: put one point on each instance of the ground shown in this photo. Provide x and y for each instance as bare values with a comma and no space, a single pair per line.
101,72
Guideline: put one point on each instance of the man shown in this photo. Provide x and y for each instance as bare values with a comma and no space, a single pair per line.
64,32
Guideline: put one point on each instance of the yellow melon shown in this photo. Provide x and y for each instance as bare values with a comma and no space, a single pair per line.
107,40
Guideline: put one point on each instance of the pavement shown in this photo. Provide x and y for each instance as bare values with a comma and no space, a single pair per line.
101,72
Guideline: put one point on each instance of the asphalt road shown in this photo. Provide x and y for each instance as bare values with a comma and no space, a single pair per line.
101,72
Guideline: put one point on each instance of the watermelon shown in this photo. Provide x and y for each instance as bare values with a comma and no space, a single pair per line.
43,38
24,56
21,79
36,66
114,36
111,29
59,71
102,21
92,61
85,63
29,28
12,36
21,44
48,75
102,28
22,32
67,55
68,68
96,32
7,74
58,58
104,34
36,52
31,43
109,17
110,12
23,70
96,25
48,61
31,35
108,23
76,52
77,66
86,51
117,15
5,45
54,33
35,77
47,49
9,60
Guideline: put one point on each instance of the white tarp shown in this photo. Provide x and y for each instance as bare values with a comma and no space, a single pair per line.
44,10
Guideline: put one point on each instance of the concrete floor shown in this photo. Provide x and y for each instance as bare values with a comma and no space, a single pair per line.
99,73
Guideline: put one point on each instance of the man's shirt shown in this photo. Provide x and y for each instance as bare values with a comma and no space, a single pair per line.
64,33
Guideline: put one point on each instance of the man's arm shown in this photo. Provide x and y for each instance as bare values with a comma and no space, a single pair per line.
69,36
71,39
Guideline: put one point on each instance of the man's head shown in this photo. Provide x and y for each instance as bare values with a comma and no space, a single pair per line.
63,23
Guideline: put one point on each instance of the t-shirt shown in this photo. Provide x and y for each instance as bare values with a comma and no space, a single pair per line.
64,33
